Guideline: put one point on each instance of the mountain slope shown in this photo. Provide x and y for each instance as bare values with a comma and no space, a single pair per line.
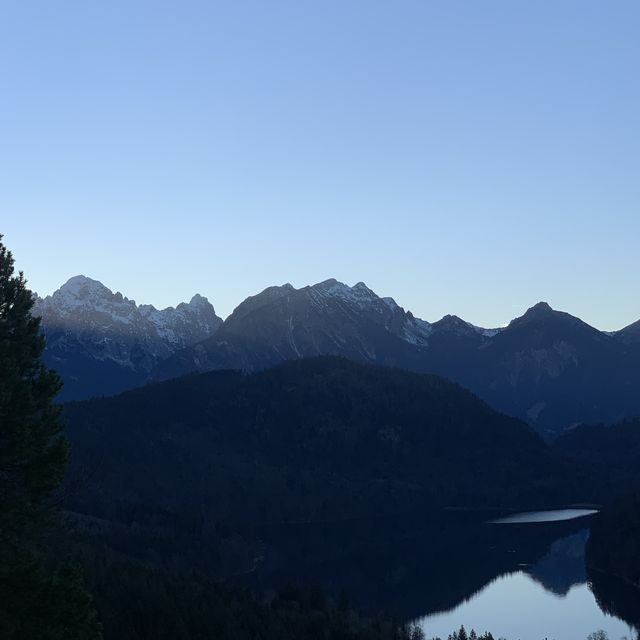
630,335
328,318
554,370
102,342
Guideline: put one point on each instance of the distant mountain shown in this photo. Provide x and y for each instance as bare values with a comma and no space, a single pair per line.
329,318
555,371
284,323
546,367
102,342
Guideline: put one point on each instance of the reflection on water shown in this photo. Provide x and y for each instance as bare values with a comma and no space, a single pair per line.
516,606
556,515
563,566
446,569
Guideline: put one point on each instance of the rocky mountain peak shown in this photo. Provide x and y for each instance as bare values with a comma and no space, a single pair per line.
540,308
198,301
198,304
84,301
453,324
265,297
359,294
85,323
552,322
81,289
78,282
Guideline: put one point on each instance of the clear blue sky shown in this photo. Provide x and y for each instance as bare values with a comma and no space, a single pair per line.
464,157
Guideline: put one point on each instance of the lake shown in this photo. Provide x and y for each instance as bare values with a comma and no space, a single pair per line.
556,515
549,599
517,606
520,576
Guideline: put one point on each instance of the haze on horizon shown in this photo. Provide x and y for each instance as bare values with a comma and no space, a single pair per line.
465,158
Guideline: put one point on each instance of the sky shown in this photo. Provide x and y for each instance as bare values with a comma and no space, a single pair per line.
470,157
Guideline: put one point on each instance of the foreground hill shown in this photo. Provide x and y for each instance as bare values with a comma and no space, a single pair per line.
308,440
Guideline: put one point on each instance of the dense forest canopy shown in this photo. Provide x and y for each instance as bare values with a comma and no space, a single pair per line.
613,558
606,458
321,438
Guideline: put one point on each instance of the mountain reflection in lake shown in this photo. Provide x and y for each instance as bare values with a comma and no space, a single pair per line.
515,606
446,569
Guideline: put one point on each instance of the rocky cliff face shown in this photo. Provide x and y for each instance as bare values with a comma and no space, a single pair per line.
329,318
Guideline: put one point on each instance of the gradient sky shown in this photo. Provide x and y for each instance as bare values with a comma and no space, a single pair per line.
464,157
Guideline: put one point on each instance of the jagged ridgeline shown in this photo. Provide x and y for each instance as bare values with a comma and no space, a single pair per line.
101,342
546,367
314,439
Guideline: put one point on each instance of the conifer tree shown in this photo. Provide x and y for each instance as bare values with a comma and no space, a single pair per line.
33,452
33,456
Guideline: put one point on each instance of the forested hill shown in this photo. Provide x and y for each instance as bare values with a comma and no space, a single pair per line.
613,558
312,439
607,458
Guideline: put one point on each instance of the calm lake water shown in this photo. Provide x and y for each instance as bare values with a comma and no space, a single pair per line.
517,606
557,515
522,576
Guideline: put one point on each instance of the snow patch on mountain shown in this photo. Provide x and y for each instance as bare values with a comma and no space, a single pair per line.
362,299
488,333
417,331
359,294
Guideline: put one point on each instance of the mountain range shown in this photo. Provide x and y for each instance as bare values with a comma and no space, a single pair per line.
546,367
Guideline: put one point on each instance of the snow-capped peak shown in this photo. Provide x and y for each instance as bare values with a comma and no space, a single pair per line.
395,318
198,301
112,327
80,281
82,288
84,295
